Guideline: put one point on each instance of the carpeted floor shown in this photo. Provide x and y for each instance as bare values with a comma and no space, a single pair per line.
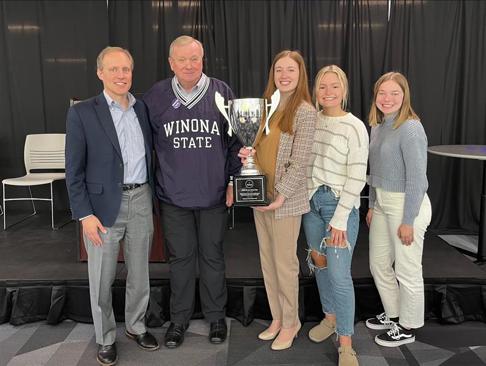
71,343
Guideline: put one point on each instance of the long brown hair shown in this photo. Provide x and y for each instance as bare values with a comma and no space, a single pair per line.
406,111
300,94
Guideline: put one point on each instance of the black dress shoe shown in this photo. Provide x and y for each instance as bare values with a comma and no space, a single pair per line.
107,355
145,340
218,331
175,335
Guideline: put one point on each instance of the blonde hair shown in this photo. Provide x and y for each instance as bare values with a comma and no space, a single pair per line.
110,49
183,41
301,93
405,112
343,81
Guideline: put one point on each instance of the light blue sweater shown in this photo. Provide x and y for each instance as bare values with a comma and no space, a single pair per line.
398,163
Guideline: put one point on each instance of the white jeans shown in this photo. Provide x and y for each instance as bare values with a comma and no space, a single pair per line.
401,288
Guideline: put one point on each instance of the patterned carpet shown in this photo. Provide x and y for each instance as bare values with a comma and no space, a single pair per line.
71,343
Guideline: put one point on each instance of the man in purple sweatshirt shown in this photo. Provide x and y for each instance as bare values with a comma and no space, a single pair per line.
195,160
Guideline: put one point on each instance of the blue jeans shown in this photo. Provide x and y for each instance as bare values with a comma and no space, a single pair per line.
334,282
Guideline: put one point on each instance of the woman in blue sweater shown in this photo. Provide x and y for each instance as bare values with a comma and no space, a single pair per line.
399,210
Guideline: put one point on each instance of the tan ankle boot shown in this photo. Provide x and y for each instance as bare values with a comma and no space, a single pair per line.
347,356
322,331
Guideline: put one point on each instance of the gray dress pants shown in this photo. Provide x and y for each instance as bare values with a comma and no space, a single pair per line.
134,225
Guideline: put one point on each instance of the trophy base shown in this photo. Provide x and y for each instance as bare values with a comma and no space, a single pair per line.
250,190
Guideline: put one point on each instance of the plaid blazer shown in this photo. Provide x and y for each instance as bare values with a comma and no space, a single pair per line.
292,161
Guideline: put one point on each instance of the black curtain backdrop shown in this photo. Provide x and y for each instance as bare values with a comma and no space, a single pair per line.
48,54
48,51
242,37
441,47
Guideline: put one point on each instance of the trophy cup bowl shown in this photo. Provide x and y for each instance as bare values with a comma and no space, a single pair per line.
245,118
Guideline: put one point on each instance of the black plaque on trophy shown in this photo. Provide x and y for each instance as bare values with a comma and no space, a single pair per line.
250,190
245,119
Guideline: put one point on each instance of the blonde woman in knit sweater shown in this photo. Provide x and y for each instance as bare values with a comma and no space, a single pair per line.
335,180
399,210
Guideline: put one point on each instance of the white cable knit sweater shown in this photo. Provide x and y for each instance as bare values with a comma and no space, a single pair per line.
339,161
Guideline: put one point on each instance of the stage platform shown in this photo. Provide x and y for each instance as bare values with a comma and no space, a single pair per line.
41,279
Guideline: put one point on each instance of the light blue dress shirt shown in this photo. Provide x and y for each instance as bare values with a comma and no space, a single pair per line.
130,138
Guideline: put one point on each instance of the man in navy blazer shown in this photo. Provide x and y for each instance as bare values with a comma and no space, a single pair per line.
108,175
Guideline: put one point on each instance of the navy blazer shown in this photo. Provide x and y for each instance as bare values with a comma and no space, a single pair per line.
94,163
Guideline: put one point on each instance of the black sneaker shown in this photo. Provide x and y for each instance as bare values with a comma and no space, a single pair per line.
395,337
380,322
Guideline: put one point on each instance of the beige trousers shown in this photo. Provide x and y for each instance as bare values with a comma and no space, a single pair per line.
397,268
280,266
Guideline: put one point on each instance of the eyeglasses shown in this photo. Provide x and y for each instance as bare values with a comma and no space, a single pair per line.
116,70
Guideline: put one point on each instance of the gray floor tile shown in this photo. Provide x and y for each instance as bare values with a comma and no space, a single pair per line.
46,335
81,332
480,352
37,357
70,343
10,346
69,353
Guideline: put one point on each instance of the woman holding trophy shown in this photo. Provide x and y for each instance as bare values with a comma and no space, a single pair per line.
283,155
337,175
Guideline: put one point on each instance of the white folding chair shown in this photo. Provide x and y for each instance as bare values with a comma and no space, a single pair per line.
41,152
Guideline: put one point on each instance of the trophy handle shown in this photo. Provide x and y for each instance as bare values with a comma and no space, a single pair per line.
219,100
273,107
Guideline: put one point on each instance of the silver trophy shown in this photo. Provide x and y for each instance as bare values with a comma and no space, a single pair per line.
245,118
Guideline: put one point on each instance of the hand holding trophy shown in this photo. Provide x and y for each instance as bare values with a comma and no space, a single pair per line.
244,118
